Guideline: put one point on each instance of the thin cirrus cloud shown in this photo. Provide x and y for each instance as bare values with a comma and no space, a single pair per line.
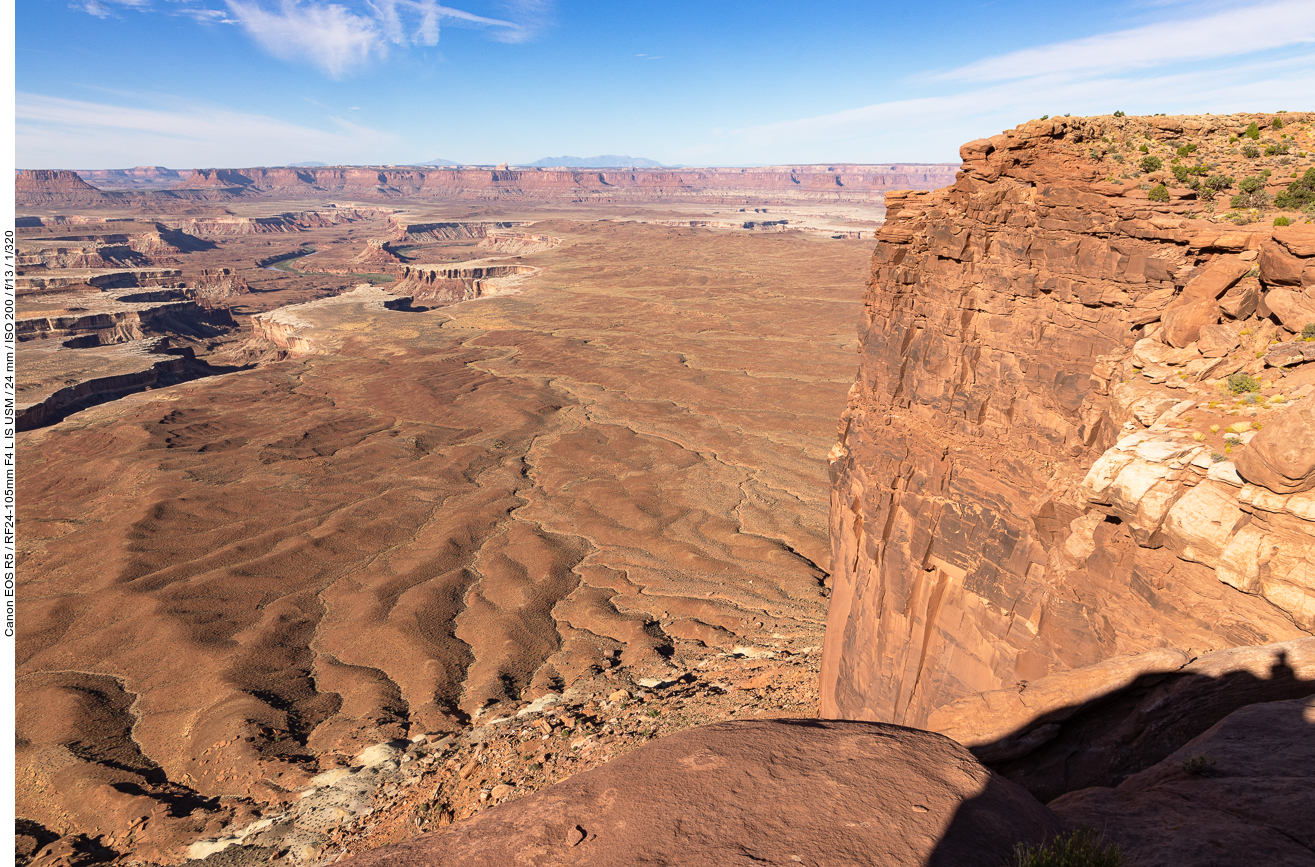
52,132
1093,75
339,41
336,38
1231,33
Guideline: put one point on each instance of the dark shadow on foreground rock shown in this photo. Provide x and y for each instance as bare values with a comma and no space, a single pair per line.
1126,764
1119,734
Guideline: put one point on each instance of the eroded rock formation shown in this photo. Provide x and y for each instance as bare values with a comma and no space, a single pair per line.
1044,465
447,284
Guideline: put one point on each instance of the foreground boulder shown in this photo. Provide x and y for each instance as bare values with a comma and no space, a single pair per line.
1282,457
771,791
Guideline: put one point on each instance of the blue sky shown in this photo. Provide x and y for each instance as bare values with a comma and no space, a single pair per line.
197,83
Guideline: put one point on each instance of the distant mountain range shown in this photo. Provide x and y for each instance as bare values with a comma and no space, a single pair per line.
606,161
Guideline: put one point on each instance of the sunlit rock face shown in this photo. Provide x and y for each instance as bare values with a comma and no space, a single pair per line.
1044,463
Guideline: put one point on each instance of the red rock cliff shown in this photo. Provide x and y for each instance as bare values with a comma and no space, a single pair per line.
1042,465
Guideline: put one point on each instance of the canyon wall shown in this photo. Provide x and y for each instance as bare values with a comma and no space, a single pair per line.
786,183
1043,466
851,184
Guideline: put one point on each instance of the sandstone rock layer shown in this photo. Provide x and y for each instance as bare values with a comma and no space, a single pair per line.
774,792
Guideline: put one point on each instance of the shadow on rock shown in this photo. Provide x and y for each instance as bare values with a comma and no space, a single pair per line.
1104,741
1184,767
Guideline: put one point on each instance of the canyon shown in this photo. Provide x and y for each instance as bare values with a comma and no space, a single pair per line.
358,475
496,533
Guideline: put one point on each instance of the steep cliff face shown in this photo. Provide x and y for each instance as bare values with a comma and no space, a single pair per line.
42,186
1043,465
449,284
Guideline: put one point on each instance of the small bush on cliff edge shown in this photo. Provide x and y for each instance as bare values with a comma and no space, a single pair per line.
1080,848
1253,131
1158,193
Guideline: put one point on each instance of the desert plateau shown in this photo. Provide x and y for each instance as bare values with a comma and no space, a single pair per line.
828,514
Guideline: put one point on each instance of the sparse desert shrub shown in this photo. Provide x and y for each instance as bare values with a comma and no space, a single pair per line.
1119,114
1253,131
1241,383
1232,139
1045,117
1308,332
1217,457
1151,164
1187,150
1299,194
1158,193
1276,149
1252,193
1251,152
1144,149
1080,848
1199,766
1277,122
1282,221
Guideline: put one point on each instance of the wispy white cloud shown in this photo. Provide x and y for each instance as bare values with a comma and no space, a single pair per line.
1231,33
1251,59
94,7
340,38
328,36
206,16
107,9
531,18
932,127
52,132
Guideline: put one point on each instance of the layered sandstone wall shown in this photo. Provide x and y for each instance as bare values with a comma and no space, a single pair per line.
786,183
1042,465
449,284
